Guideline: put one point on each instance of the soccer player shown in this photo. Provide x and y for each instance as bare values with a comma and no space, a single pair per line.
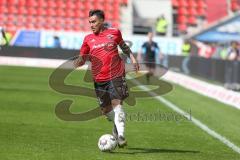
108,70
150,49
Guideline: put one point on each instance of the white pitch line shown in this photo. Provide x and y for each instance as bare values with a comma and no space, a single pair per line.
198,123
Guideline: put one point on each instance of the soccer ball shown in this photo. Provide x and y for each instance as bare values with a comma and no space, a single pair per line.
107,142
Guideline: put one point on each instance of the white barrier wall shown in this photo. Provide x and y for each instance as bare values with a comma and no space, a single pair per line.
73,40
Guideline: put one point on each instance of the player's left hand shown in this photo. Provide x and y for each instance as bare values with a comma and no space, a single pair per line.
135,63
136,66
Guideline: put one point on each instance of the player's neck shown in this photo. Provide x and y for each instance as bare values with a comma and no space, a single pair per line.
101,30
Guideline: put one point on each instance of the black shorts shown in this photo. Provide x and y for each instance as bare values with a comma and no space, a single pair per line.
150,63
114,89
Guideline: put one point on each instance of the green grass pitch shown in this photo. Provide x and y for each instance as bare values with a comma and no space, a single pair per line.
30,130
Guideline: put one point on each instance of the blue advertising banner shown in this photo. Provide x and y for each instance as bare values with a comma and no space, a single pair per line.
226,31
27,38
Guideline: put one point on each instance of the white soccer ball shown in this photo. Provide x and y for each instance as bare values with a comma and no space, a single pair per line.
107,142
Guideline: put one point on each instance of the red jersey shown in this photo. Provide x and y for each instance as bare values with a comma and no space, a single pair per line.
102,51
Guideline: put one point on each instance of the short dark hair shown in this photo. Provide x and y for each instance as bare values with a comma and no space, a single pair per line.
99,13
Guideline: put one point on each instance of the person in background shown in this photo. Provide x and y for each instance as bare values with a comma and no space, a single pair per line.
233,51
205,50
231,67
186,49
150,50
161,26
56,42
5,37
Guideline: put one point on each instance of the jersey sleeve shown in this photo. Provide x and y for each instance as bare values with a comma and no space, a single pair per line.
143,45
84,48
119,38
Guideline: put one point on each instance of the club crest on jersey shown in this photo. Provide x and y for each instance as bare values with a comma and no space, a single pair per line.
109,36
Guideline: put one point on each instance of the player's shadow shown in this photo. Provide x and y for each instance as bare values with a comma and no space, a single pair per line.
152,150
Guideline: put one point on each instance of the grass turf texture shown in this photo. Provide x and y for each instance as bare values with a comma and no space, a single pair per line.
29,128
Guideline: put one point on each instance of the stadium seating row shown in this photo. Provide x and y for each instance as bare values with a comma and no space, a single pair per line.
56,15
188,12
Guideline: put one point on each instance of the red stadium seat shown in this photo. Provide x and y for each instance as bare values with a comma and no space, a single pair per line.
70,5
201,12
3,10
192,3
79,5
41,20
10,18
86,28
78,14
235,6
77,22
31,11
31,3
22,10
182,11
10,26
175,3
88,5
41,11
3,2
51,21
68,28
51,12
60,4
201,4
51,4
192,11
108,7
42,3
70,13
20,21
30,26
115,6
77,28
69,22
182,27
30,19
48,26
12,10
12,2
181,19
2,18
182,3
116,15
192,20
60,12
99,5
21,2
125,2
38,27
115,24
59,21
58,27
